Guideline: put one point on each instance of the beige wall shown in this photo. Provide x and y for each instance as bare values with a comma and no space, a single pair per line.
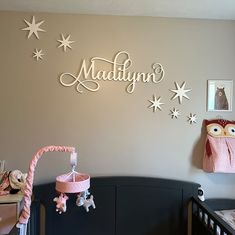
115,132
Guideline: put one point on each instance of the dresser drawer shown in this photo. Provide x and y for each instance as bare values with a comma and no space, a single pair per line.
8,217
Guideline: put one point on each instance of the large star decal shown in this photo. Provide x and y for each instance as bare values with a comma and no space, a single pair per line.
33,28
65,42
155,103
180,92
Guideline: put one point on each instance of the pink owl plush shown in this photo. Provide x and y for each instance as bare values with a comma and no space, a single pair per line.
219,153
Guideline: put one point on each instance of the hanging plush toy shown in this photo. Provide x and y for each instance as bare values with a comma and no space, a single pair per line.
219,155
61,203
72,182
82,200
12,182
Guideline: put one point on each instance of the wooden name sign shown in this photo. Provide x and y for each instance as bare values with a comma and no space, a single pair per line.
88,74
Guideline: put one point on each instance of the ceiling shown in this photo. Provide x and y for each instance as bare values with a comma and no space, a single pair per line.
202,9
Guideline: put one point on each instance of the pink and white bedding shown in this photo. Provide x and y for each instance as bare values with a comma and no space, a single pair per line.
228,216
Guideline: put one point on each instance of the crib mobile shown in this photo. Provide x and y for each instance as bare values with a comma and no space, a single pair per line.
72,182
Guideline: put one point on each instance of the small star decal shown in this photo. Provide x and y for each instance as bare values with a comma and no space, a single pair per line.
192,118
155,103
38,54
65,42
33,28
174,113
180,92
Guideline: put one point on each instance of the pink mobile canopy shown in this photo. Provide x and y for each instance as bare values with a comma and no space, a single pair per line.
71,183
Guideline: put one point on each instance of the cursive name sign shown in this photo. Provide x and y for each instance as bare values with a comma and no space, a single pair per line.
88,74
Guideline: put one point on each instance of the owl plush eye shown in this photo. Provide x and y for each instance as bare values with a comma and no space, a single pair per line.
230,130
215,130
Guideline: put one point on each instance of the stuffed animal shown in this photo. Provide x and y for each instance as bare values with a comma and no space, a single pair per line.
219,154
61,203
81,197
89,202
12,182
82,200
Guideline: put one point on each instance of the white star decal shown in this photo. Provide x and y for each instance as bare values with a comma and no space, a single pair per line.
180,92
38,54
174,113
155,103
192,118
65,42
33,28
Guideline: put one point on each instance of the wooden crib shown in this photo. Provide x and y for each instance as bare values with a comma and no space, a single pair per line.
124,206
206,221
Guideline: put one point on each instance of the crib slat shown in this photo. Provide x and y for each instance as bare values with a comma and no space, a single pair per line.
201,210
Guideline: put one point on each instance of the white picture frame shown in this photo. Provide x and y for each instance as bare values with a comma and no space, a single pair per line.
219,95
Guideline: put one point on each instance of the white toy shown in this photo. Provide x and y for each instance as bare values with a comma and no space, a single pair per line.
83,201
89,202
81,197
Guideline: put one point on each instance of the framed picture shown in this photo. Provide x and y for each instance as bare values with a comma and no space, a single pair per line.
219,95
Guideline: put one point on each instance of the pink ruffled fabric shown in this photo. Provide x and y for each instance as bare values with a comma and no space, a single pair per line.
219,155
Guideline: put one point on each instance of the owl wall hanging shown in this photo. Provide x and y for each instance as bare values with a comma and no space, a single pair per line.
219,155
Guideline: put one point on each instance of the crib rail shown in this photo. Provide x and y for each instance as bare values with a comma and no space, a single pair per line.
204,216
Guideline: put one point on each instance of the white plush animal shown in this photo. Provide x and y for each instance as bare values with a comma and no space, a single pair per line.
83,201
89,202
81,197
